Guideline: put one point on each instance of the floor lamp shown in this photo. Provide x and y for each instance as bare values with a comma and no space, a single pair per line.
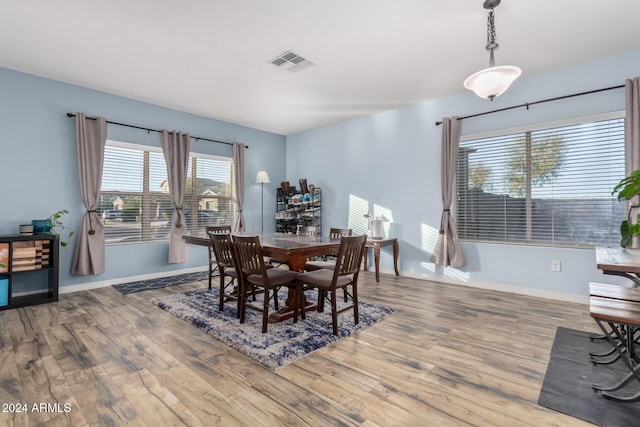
262,178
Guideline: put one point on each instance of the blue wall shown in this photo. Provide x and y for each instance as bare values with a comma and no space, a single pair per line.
392,160
38,166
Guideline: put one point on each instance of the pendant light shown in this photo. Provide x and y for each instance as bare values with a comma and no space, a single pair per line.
492,81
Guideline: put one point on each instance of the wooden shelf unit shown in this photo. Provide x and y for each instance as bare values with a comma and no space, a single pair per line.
292,213
21,256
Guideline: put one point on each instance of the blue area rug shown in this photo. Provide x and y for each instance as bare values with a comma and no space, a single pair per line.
283,343
161,282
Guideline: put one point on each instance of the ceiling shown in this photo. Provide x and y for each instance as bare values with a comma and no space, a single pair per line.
211,57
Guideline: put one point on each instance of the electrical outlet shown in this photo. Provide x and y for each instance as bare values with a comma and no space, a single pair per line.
555,265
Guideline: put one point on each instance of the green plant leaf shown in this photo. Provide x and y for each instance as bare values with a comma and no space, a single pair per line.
625,234
57,226
628,186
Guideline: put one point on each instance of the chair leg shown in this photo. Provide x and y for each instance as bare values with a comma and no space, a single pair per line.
221,302
239,300
241,297
354,297
265,310
210,274
334,311
321,297
297,303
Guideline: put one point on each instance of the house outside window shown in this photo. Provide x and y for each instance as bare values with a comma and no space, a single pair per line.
135,201
543,185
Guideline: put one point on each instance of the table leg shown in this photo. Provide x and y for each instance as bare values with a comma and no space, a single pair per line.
365,258
295,263
376,260
395,257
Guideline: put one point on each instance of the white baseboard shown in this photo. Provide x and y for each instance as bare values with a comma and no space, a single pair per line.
540,293
120,280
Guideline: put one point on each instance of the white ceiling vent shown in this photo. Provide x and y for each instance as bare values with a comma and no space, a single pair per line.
291,62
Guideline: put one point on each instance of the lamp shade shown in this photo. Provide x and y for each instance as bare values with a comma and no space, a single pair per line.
492,82
262,178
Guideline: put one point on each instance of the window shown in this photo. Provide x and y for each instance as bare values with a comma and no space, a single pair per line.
547,186
135,203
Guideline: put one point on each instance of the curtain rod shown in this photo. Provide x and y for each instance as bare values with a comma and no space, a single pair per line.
527,104
197,138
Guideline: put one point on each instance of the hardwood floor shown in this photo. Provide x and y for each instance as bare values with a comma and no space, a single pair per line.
449,356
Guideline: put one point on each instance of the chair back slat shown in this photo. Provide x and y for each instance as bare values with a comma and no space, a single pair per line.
350,255
221,245
249,254
308,230
336,233
218,229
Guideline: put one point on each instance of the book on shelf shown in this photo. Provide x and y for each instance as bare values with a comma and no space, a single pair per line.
23,244
23,267
23,256
23,261
23,253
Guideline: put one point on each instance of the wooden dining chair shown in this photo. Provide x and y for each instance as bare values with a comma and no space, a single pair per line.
255,274
213,267
334,233
344,274
222,248
305,230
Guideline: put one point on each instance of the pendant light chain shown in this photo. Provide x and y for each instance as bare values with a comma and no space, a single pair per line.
491,32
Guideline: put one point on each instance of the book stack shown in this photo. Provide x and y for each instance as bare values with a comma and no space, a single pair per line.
42,253
23,256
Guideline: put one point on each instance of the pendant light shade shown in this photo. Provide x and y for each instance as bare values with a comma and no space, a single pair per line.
492,81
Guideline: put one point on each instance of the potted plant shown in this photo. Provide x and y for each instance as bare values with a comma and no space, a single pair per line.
54,225
627,188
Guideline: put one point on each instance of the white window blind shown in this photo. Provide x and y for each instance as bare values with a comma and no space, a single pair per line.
549,186
209,192
135,201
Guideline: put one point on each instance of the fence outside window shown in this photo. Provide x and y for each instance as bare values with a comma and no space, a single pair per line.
543,185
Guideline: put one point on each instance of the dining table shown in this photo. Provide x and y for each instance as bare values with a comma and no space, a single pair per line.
293,249
619,261
619,307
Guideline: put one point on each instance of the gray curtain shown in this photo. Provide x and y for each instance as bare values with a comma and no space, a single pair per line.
238,163
632,141
91,138
448,251
175,147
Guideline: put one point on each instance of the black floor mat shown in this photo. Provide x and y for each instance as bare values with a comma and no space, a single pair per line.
570,374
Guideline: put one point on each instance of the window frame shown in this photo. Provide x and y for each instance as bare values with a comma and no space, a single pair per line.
146,194
540,126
